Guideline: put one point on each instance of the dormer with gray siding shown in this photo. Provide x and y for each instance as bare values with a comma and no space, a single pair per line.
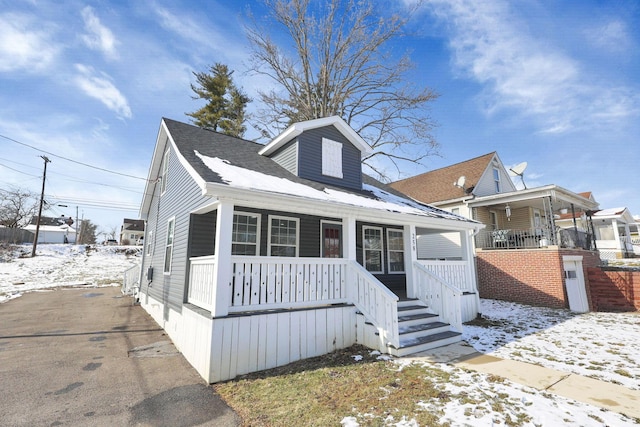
324,150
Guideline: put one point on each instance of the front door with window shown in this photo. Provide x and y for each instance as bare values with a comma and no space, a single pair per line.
331,240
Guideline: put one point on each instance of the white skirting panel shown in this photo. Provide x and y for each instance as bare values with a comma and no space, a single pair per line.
168,319
470,307
367,335
244,344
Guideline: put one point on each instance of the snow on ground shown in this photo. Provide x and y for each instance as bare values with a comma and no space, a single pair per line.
63,265
605,346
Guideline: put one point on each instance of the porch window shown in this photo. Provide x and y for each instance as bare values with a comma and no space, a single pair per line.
168,251
245,239
165,172
283,236
395,251
372,246
496,179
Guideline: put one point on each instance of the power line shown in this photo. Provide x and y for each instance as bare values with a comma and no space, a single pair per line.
16,170
70,160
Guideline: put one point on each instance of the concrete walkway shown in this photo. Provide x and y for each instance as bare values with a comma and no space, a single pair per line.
88,357
602,394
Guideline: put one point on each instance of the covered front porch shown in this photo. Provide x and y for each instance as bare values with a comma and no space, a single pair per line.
369,264
540,217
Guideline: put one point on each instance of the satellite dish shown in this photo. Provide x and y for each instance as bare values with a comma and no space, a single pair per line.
519,170
460,182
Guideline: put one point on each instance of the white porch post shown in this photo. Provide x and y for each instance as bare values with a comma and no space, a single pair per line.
466,242
616,234
349,239
410,257
222,268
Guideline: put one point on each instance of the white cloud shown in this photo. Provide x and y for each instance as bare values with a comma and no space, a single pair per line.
612,36
100,87
523,72
98,36
25,45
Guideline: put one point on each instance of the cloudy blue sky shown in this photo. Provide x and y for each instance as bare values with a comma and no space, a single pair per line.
553,83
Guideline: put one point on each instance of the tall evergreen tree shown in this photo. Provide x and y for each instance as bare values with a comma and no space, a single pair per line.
225,110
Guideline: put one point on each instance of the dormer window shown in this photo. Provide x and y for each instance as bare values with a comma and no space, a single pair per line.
331,158
496,179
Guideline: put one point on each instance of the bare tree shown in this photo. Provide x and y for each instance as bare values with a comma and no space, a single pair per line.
17,207
339,63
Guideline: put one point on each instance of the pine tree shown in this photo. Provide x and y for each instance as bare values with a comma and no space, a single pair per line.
225,110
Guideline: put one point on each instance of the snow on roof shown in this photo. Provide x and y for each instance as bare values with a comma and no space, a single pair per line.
610,212
253,180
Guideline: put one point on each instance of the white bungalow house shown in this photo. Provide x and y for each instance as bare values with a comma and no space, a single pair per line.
259,255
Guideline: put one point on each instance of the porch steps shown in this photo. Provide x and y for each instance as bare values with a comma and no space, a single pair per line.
421,330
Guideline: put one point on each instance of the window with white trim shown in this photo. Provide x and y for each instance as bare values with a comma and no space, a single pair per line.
496,179
168,249
283,236
372,248
395,251
331,158
165,172
149,240
245,236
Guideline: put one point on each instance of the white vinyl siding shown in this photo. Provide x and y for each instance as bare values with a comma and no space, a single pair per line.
168,251
395,251
283,236
331,158
245,238
372,247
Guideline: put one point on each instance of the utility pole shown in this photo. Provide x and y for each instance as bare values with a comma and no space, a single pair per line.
44,177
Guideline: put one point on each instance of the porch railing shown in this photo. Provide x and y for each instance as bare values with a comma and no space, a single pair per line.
532,238
455,273
268,283
264,283
440,296
131,280
376,302
201,281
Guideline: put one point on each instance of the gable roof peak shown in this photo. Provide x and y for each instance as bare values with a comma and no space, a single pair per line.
297,128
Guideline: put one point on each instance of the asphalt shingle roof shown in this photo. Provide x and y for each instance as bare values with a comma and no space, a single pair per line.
437,185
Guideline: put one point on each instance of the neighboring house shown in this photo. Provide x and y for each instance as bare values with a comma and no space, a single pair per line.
52,230
132,232
523,255
614,230
260,255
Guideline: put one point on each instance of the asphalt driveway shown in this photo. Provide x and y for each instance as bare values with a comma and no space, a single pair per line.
88,357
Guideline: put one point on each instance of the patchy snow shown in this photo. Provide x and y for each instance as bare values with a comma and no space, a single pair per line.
63,265
604,346
601,345
248,179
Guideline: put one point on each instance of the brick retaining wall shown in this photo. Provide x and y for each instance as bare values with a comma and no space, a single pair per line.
614,289
534,277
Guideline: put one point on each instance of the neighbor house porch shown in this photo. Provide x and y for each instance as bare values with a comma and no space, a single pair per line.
536,218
